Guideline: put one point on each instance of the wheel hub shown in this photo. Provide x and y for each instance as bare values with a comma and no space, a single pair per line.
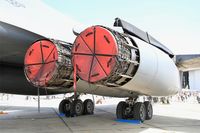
78,108
67,107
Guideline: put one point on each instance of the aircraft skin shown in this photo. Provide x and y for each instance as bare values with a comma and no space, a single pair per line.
23,23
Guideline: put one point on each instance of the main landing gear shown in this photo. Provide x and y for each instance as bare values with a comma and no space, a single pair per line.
75,107
134,110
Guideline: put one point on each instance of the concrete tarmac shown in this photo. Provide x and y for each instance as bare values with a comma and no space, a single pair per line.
175,117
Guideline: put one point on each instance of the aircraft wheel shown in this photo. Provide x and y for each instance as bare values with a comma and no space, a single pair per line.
77,108
121,110
139,111
64,107
149,110
88,107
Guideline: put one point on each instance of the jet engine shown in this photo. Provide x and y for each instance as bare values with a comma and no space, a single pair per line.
105,57
48,64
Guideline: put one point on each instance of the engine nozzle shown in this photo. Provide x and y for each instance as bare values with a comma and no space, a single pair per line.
47,63
104,56
95,50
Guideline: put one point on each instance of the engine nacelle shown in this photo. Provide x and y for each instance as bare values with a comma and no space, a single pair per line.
157,74
109,58
48,64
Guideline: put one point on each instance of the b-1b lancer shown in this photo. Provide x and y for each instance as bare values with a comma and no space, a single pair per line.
41,49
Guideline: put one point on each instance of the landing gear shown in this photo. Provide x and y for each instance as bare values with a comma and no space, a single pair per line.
134,110
76,107
88,107
121,110
139,111
65,106
149,110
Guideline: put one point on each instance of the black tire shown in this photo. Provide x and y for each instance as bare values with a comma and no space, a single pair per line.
64,107
77,108
88,107
121,110
149,110
139,111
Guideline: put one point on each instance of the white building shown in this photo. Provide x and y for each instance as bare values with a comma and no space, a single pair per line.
189,66
194,80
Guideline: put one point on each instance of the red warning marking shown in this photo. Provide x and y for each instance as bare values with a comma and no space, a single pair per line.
94,51
40,62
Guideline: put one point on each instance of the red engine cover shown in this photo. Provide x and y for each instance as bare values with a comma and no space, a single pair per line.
94,52
40,62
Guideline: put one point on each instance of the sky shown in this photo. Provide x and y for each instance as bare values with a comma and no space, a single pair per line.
175,23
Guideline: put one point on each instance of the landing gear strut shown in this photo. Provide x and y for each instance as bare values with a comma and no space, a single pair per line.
134,110
75,107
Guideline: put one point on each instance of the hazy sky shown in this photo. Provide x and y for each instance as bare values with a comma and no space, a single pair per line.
175,23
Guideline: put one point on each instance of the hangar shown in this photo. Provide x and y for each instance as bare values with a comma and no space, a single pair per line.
189,71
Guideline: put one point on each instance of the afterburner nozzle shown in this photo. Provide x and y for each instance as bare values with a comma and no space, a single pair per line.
95,51
47,63
104,56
